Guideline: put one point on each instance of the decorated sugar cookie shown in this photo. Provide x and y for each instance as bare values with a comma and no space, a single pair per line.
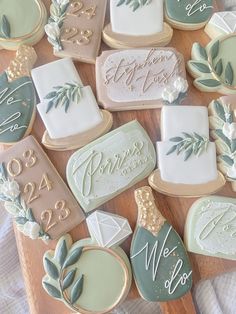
186,157
161,267
17,97
21,23
210,227
34,194
221,23
68,109
223,130
126,31
74,28
140,79
214,67
110,165
88,276
188,14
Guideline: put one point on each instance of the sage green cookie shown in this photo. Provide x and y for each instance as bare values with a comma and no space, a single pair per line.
17,108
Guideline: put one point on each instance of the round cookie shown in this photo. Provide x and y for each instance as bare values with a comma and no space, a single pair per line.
188,14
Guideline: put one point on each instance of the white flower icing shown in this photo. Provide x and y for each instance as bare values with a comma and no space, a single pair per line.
31,229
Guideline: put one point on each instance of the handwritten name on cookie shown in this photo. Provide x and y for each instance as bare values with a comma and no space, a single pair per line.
196,7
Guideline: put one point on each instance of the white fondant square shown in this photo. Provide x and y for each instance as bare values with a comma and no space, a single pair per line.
79,118
146,20
188,119
196,170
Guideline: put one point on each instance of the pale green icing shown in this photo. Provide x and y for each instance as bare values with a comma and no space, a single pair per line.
23,16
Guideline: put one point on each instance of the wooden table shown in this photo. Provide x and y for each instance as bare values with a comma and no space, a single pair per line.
174,209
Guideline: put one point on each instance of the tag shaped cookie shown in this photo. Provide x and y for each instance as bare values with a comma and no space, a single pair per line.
24,28
161,267
210,227
140,79
186,157
126,31
214,67
86,277
223,130
188,14
110,165
32,191
74,28
221,23
17,97
68,109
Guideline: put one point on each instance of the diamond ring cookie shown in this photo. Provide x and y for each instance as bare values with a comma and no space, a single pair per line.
68,109
187,164
17,97
213,67
161,267
110,165
126,29
91,277
140,79
210,227
32,191
221,23
223,130
74,28
188,14
21,23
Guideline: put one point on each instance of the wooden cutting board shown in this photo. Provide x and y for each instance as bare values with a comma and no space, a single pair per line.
174,209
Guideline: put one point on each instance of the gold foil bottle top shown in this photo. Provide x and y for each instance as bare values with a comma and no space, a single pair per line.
22,64
149,216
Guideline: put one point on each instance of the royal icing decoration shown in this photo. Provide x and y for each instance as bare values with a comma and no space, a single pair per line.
188,12
108,229
213,66
17,97
86,277
211,228
110,165
221,23
74,28
16,29
160,264
64,100
130,79
223,130
34,194
185,154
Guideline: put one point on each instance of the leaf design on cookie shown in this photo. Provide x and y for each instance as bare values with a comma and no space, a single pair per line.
191,144
5,28
64,95
134,4
229,74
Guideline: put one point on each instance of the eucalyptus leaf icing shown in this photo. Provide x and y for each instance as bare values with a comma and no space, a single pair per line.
17,105
110,165
189,11
85,278
211,227
160,264
14,25
134,4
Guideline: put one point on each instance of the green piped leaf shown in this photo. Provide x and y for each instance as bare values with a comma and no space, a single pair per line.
219,67
176,139
51,290
202,51
221,135
233,146
172,150
30,215
209,82
51,268
67,282
21,220
188,153
201,67
215,49
227,160
73,257
219,109
229,74
61,253
77,289
5,27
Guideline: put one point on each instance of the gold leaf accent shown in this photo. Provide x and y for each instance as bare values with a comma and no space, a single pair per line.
22,64
149,217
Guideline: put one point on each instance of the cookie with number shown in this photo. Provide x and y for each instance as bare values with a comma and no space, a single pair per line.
74,28
188,14
17,97
161,266
32,191
21,23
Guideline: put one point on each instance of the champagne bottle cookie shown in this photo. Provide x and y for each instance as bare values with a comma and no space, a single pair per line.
161,267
